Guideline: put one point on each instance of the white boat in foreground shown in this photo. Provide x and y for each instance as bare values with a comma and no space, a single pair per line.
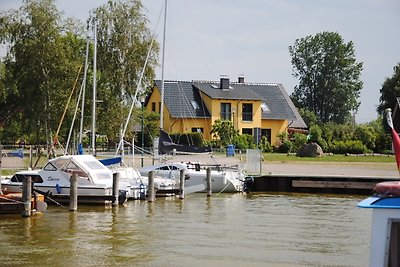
385,232
95,180
224,179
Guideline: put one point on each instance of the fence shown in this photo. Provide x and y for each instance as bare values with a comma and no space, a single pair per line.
20,156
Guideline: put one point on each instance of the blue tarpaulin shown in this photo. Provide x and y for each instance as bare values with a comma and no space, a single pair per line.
17,153
111,161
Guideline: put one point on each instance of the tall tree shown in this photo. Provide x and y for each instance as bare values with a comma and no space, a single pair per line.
389,91
123,43
40,67
329,76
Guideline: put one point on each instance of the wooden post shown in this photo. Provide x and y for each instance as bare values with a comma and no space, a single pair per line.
151,193
30,157
1,153
27,196
182,184
208,178
115,191
73,192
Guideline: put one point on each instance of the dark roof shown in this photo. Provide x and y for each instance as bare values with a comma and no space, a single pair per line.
279,104
235,91
178,98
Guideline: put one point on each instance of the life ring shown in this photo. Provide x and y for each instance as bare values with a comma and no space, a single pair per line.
391,188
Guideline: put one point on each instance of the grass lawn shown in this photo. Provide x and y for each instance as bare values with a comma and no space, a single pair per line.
282,157
328,158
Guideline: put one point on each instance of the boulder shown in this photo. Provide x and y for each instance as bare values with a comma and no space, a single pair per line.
310,150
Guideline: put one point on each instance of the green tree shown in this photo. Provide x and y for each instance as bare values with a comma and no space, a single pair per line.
123,41
40,67
225,131
389,92
329,76
308,116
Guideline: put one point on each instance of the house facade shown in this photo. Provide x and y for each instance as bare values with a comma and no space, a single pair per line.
258,109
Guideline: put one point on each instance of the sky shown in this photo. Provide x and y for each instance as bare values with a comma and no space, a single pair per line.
209,38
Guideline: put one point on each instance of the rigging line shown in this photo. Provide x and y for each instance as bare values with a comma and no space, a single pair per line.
192,114
162,67
139,82
73,119
66,106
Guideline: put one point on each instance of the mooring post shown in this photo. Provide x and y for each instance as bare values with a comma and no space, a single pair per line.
1,153
27,196
73,192
151,193
30,156
182,184
115,191
209,187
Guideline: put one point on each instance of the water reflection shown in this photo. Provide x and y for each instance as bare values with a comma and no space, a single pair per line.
225,229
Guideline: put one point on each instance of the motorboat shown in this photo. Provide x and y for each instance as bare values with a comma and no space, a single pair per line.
223,178
385,230
95,181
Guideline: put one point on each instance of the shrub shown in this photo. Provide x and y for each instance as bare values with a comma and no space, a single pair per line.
285,147
265,145
193,139
349,146
244,141
299,140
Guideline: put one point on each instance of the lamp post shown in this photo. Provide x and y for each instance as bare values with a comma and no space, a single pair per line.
142,102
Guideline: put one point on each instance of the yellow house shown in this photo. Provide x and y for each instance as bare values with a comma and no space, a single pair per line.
258,109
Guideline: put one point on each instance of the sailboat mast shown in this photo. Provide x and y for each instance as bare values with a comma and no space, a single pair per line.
94,88
162,69
84,89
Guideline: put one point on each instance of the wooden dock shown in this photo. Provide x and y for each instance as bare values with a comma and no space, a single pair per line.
325,184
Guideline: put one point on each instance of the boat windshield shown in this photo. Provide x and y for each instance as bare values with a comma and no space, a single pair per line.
71,167
60,163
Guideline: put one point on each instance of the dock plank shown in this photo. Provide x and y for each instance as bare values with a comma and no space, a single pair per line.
333,184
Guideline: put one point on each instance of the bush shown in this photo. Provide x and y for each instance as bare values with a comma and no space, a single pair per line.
244,141
265,145
299,140
349,146
192,139
366,134
285,147
316,137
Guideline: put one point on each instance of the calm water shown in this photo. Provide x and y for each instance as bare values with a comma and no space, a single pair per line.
224,230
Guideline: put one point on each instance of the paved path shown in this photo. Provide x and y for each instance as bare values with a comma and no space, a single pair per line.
379,170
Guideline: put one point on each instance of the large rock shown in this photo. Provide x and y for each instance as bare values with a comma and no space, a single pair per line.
310,150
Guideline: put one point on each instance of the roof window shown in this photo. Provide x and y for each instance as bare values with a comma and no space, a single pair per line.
264,107
194,104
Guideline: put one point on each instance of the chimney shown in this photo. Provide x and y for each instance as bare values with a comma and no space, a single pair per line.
224,82
241,79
